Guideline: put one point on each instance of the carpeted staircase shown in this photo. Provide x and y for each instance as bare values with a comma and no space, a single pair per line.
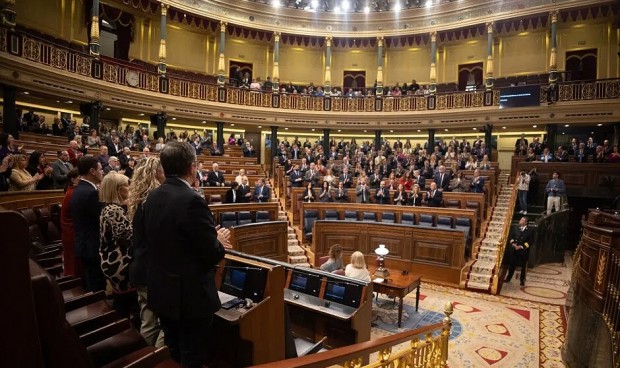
486,255
296,253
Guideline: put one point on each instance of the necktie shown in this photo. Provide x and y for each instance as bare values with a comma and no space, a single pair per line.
363,194
234,196
261,191
441,180
523,229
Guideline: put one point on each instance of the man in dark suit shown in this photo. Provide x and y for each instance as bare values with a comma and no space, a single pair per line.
261,191
312,175
85,211
295,153
60,168
477,183
183,249
362,192
382,194
341,194
297,178
442,179
115,148
521,241
215,178
244,191
434,196
419,179
232,194
345,178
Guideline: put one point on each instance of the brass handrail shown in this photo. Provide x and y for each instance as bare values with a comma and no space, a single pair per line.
429,351
504,237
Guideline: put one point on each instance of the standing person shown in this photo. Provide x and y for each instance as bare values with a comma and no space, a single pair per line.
520,242
341,193
183,246
116,234
20,179
325,194
148,175
434,197
60,169
85,211
71,264
362,192
523,187
477,183
261,191
555,190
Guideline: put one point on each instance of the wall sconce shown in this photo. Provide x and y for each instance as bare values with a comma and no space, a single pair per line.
381,252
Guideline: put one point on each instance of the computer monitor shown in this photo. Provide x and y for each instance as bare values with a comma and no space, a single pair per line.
343,292
244,281
305,282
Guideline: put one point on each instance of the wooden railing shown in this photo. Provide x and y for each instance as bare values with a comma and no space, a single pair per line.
38,50
505,234
426,348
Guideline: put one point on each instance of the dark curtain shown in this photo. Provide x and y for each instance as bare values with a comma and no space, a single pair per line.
470,74
355,79
243,68
581,64
123,23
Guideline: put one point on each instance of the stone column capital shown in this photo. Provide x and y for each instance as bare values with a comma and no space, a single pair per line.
380,41
554,16
328,41
223,26
164,9
490,27
276,36
433,36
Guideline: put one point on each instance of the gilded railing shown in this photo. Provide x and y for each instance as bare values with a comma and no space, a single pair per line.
45,52
426,347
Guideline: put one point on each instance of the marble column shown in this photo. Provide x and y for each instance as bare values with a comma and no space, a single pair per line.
490,80
275,86
221,65
94,29
161,67
379,91
553,43
9,110
433,73
328,62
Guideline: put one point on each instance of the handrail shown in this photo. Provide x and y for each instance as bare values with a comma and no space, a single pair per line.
505,235
432,351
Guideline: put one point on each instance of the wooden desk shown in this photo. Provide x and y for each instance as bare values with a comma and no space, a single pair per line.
397,285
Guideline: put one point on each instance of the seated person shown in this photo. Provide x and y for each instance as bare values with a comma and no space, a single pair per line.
335,259
232,194
357,268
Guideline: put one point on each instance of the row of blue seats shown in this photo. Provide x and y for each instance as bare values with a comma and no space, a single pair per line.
229,219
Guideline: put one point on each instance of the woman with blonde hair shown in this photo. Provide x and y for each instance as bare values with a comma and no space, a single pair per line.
334,262
115,234
357,268
148,175
20,179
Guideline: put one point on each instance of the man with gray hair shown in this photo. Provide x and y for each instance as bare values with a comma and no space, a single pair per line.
183,247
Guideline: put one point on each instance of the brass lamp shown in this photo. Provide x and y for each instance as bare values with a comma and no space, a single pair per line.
381,252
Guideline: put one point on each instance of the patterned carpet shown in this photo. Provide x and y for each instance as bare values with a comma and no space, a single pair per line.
497,331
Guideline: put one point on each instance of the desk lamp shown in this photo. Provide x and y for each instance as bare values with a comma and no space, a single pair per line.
381,252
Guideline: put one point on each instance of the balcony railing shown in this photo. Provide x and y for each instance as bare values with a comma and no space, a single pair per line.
45,52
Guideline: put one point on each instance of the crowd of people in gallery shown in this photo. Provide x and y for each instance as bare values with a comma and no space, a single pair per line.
575,151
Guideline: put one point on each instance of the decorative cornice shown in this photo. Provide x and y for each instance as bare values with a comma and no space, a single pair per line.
256,15
164,9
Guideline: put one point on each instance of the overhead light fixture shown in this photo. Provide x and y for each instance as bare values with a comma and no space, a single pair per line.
174,118
503,127
107,109
141,114
339,130
365,131
391,131
345,5
233,124
69,102
313,129
276,3
567,125
204,121
599,124
26,92
366,9
260,127
475,128
285,128
534,126
57,101
446,129
419,130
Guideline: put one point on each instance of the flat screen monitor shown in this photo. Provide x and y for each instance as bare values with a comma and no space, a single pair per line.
343,292
305,282
519,96
244,281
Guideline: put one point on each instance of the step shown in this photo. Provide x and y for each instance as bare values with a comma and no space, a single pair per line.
297,259
483,267
296,250
478,285
292,242
479,278
292,235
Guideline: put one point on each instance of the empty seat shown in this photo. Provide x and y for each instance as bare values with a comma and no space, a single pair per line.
331,215
228,219
463,224
46,225
262,216
472,205
426,220
310,217
407,219
369,216
215,199
350,215
388,217
444,221
244,217
453,203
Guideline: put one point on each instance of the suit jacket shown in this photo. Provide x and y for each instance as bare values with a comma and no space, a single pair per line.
59,173
414,200
294,176
443,184
385,198
112,151
85,211
405,200
312,178
363,195
215,180
241,194
182,251
342,197
421,181
229,196
477,187
264,192
309,195
581,156
346,182
295,154
434,200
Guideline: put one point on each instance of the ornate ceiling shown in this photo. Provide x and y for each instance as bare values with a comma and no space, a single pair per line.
295,17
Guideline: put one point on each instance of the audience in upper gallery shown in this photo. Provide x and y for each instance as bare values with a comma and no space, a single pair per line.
334,263
555,190
115,234
8,146
71,264
357,267
148,175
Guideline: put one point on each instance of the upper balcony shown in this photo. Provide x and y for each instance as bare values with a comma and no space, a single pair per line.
29,61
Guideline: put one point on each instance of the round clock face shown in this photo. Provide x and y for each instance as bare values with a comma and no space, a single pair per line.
132,78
